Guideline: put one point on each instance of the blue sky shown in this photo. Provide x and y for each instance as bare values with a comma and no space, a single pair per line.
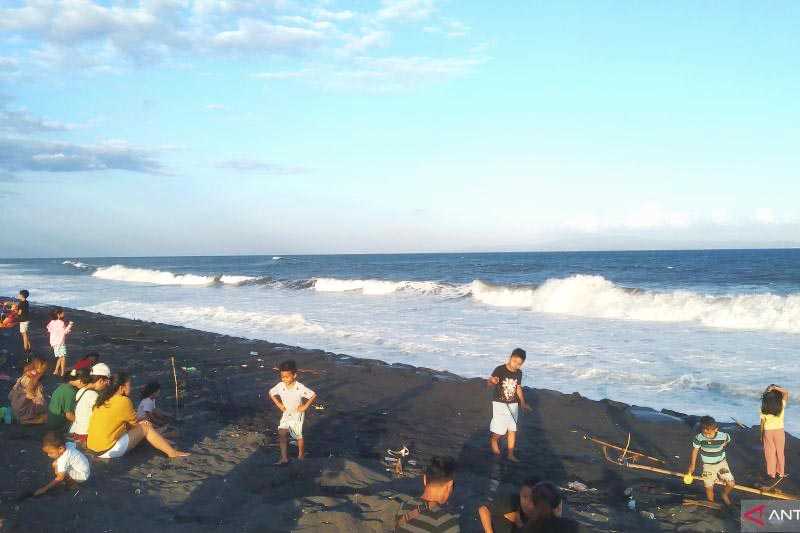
278,126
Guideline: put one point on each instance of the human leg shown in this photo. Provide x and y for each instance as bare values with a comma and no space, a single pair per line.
283,441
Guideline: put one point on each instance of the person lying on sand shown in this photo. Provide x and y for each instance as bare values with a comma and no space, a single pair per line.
710,444
113,428
427,513
508,397
509,510
69,464
293,399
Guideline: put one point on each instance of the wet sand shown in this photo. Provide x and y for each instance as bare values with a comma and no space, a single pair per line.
229,424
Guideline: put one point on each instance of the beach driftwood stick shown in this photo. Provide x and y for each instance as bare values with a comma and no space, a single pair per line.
664,471
175,379
304,370
634,455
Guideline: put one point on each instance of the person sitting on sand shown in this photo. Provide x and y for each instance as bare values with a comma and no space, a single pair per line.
85,399
548,507
87,361
508,397
27,394
69,464
113,428
509,511
710,444
289,396
147,409
773,408
61,410
428,512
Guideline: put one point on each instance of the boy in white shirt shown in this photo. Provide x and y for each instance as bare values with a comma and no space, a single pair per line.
289,396
68,464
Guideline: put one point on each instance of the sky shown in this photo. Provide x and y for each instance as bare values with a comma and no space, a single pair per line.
200,127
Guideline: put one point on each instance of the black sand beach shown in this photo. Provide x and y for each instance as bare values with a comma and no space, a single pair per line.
228,423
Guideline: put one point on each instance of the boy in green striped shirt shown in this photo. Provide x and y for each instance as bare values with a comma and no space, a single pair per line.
710,444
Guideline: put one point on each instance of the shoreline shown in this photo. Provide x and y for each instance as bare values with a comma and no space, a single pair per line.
370,406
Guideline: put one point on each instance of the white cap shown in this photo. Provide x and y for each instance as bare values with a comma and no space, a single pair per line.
101,369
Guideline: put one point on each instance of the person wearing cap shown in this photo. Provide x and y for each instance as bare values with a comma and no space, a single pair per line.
85,399
87,361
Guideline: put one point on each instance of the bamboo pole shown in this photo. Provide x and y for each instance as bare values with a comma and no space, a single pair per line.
175,378
664,471
621,449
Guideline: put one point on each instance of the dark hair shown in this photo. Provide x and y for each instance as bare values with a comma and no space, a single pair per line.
118,379
55,312
150,388
772,403
531,482
553,524
519,352
708,422
547,493
92,355
288,366
78,373
440,469
53,439
24,293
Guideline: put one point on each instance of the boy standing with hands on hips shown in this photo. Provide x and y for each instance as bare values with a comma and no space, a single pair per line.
293,399
508,397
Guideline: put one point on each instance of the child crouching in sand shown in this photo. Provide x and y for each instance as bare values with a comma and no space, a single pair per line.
289,396
508,397
69,464
147,409
710,444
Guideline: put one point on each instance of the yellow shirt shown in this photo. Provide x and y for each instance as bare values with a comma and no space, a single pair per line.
109,422
772,421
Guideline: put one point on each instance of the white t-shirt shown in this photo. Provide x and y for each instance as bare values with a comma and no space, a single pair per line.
145,406
83,411
292,396
73,463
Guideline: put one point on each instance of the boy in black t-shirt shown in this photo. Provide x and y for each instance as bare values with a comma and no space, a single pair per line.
508,397
24,319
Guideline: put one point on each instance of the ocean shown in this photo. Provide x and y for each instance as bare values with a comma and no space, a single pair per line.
702,332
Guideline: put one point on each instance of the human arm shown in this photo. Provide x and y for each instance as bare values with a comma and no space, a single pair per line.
761,428
278,403
521,397
784,392
307,403
60,476
70,415
68,329
486,519
693,461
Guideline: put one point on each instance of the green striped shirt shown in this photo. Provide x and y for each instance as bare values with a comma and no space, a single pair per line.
712,450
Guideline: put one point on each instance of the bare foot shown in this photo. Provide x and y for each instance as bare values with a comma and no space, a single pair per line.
282,462
180,454
513,458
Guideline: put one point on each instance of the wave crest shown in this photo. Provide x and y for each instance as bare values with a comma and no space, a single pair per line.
163,277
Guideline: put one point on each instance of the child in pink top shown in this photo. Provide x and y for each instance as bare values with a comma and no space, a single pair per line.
59,329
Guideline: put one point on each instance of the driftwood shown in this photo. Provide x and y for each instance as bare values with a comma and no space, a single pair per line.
663,471
175,378
626,452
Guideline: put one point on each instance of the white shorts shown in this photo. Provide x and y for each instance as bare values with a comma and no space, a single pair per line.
293,422
119,448
23,327
504,417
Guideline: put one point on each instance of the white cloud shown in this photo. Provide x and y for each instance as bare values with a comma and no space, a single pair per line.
215,107
406,10
337,16
255,35
765,215
369,40
260,167
280,76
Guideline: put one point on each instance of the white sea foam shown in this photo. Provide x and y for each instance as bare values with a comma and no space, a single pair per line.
76,264
597,297
161,277
378,287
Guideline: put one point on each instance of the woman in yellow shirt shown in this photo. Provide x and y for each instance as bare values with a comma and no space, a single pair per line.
113,429
773,408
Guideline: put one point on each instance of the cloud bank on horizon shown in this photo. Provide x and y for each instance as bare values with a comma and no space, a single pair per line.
259,126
